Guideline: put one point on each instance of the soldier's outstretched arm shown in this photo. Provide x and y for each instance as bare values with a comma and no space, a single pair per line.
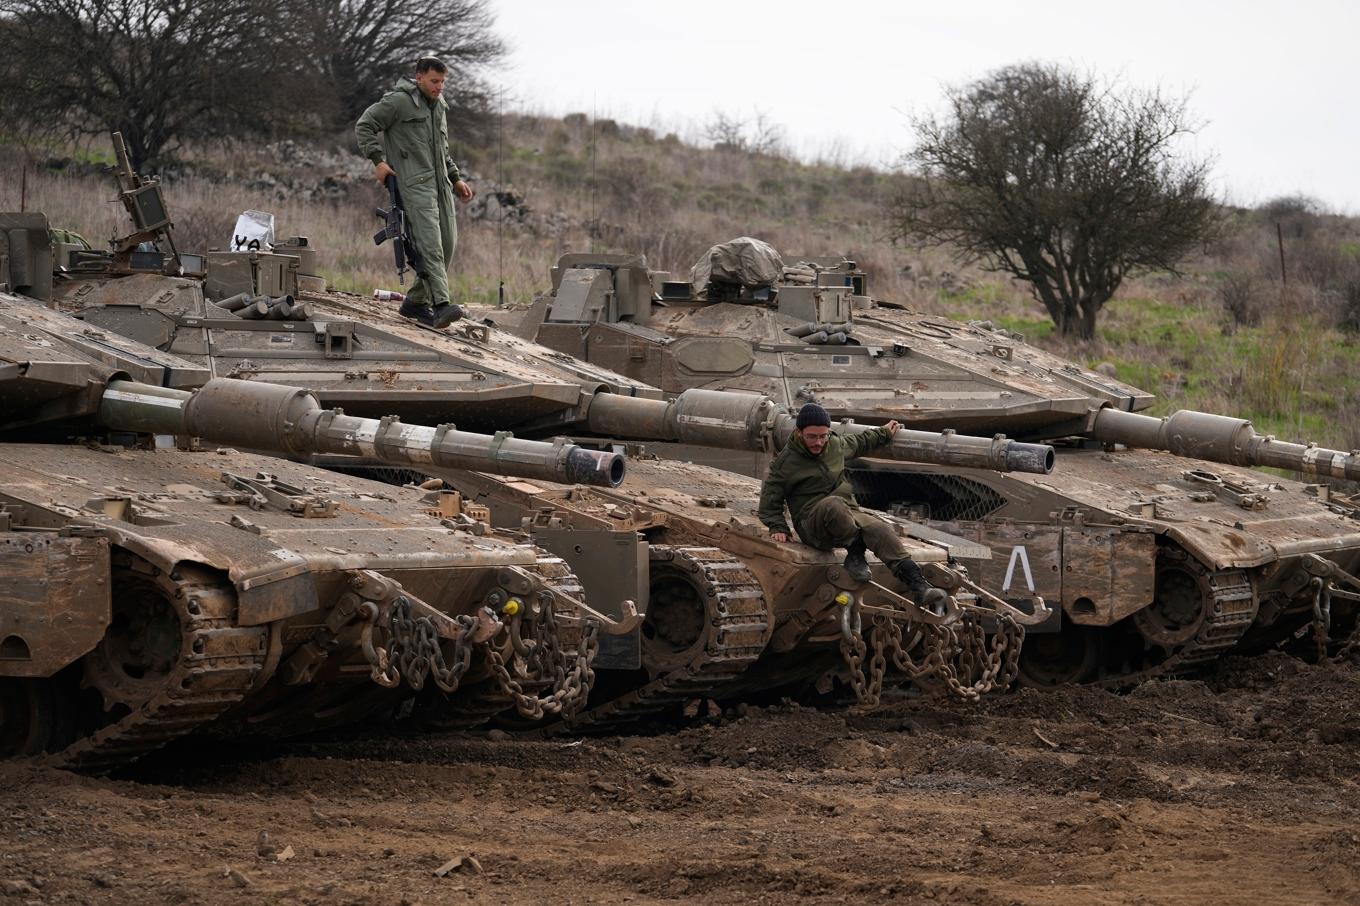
864,444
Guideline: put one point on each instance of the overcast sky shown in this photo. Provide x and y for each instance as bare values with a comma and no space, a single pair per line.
1277,85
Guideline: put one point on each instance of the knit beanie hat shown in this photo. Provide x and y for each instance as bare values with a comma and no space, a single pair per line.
812,414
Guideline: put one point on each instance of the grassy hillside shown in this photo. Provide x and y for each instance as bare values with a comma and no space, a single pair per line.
1227,336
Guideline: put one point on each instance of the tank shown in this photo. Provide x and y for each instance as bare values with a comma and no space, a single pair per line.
253,316
155,590
492,380
1159,546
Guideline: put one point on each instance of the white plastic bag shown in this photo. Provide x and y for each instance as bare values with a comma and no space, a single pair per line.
254,232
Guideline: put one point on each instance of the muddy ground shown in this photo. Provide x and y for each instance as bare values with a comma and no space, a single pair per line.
1238,787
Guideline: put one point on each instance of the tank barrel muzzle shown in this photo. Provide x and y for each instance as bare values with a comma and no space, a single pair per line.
1221,438
289,420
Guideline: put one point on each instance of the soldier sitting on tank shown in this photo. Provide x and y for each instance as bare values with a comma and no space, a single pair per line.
809,476
406,134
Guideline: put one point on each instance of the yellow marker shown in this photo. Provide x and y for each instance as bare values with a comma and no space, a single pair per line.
511,608
843,599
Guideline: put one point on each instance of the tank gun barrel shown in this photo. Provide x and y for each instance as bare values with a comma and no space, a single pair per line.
946,448
748,421
1220,438
271,417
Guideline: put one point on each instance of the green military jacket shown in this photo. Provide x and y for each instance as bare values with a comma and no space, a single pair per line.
409,132
798,478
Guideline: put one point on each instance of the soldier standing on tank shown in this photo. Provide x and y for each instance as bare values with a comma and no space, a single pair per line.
809,476
407,134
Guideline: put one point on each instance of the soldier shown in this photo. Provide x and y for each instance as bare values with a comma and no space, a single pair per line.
407,134
809,475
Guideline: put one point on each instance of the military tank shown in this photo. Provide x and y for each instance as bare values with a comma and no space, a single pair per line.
490,380
1160,549
257,314
152,591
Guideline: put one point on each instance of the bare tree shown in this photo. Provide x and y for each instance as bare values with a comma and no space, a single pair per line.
726,132
759,135
363,46
159,71
1064,183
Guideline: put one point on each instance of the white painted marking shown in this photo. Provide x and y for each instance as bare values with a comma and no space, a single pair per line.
1018,553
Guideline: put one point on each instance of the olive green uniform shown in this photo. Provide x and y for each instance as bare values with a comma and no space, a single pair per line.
820,499
411,133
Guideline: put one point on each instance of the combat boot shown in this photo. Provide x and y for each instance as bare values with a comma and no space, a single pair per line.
446,314
922,592
417,312
855,564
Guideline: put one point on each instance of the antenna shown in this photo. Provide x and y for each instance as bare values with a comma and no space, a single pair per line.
594,114
500,187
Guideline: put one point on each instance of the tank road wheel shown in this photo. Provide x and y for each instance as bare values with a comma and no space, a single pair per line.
172,660
141,644
1196,613
29,722
1177,610
701,602
1071,655
707,622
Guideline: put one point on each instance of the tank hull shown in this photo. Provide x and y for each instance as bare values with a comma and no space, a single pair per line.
171,605
730,614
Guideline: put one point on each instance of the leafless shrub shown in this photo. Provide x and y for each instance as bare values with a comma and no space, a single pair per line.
758,135
1298,216
1240,293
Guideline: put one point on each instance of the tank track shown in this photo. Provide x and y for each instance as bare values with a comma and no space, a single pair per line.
1229,611
737,629
217,665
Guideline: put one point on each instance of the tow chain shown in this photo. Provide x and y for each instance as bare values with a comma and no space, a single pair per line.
415,652
415,648
853,649
1322,615
572,675
1326,582
957,655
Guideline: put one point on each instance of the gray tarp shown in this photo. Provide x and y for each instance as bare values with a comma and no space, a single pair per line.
745,261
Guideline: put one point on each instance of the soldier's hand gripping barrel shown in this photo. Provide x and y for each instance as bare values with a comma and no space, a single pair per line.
278,419
748,421
1220,438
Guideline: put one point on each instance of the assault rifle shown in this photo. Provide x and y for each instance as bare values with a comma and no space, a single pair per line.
398,230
